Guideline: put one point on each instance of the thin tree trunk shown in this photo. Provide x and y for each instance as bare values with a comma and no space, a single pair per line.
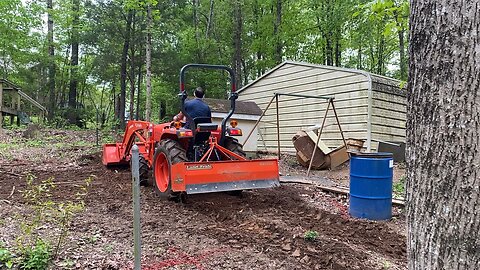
277,31
196,22
139,87
123,72
72,93
237,41
51,61
132,71
338,52
403,60
443,136
359,56
210,19
148,65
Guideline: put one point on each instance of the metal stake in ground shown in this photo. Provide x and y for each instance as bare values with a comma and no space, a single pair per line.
136,207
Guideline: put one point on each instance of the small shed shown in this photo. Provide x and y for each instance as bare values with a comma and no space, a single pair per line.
370,107
246,113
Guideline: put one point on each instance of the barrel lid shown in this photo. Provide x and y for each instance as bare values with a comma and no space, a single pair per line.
372,155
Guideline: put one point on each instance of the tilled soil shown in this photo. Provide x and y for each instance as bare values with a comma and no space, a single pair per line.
262,229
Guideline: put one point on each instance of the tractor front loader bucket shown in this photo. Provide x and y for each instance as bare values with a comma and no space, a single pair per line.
217,176
111,154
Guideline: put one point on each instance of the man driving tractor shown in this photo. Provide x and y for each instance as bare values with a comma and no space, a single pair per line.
195,108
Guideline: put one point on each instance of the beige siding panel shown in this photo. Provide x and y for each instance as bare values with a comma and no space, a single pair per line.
388,137
327,89
311,118
314,86
396,131
340,96
376,120
287,70
297,77
388,106
388,114
390,97
342,106
330,128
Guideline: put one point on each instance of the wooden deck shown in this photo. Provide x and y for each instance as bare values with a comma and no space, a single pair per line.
11,97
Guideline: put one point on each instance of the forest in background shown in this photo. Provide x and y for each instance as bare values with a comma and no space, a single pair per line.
89,59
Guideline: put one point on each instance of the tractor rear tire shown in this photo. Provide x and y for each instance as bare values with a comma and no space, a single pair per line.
167,153
233,145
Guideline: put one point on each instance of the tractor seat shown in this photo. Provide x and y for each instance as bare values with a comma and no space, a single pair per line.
206,127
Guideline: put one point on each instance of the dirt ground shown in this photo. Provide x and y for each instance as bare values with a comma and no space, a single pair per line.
263,229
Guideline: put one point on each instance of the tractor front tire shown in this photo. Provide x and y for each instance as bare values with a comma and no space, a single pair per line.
144,173
167,153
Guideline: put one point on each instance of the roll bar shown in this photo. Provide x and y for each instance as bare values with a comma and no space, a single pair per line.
233,95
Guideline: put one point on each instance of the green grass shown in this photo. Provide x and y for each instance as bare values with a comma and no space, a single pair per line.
399,188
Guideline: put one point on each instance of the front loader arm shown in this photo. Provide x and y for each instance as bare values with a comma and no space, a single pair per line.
131,131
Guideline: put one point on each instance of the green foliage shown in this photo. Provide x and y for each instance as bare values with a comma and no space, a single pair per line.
36,257
310,235
6,257
36,252
399,188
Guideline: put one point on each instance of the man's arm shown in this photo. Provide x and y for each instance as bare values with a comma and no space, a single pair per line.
179,117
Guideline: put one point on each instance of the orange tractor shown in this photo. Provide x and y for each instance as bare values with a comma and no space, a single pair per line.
205,158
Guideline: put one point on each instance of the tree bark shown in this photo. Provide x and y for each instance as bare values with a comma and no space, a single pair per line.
139,88
443,135
148,64
72,93
51,61
132,72
338,51
403,60
237,41
210,19
277,31
123,72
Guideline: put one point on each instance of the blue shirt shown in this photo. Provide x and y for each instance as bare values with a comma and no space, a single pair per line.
197,108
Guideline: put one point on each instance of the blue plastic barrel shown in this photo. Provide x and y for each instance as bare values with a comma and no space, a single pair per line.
371,185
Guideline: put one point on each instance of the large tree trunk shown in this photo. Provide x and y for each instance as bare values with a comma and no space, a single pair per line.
72,93
237,41
148,64
51,61
123,72
443,135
